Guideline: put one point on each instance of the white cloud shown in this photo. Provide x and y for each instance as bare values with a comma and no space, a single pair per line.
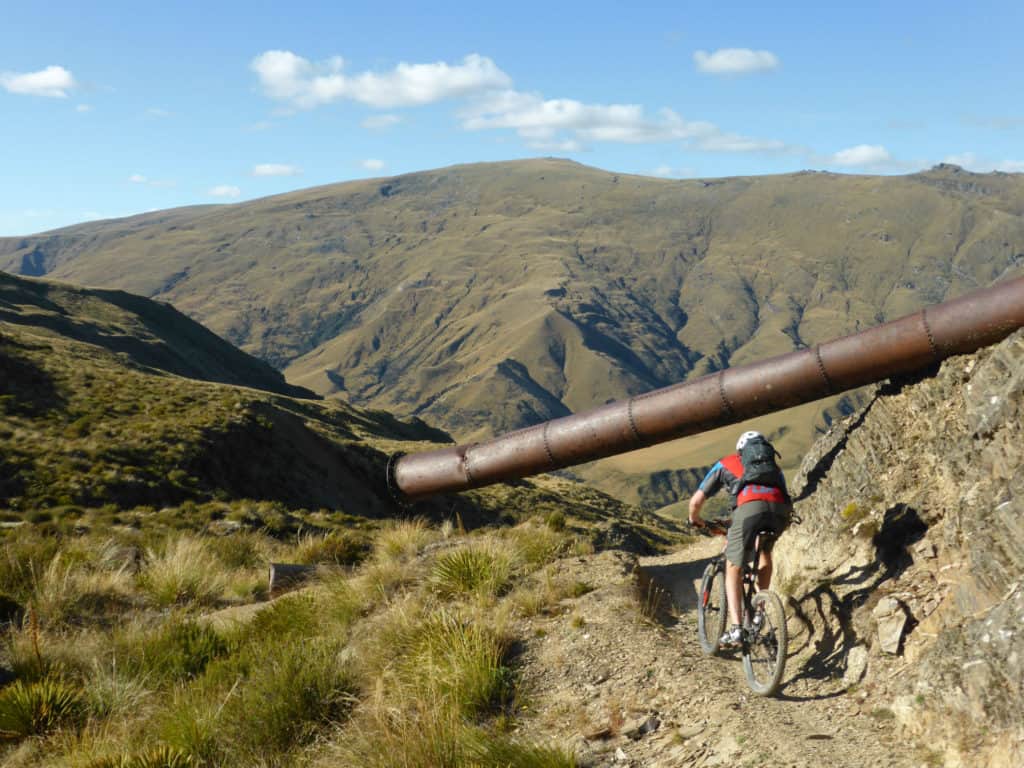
862,154
1011,166
83,108
137,178
542,123
380,122
552,125
290,78
735,61
224,190
157,112
371,164
53,81
275,169
537,119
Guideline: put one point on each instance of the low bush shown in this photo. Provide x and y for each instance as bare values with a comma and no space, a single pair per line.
175,650
34,708
157,757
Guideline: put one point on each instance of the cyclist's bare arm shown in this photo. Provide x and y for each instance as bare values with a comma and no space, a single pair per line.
696,502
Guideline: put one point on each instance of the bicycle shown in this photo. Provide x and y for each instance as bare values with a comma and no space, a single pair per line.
765,640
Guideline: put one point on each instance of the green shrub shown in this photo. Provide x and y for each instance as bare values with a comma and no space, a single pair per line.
481,570
31,709
177,650
289,617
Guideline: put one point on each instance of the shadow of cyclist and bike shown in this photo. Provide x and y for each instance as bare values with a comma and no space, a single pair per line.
821,619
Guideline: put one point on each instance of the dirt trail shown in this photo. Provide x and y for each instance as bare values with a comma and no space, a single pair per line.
599,672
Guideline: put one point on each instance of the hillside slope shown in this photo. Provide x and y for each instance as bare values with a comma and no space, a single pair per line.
488,297
146,334
98,420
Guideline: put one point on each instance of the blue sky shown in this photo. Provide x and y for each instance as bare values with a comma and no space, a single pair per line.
109,109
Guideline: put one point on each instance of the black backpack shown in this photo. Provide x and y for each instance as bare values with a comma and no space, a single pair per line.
759,466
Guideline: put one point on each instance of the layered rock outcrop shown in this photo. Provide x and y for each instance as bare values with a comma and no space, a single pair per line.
909,563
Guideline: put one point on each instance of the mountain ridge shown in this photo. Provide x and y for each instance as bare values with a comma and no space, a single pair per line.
488,297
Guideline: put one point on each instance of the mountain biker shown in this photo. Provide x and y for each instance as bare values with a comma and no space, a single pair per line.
755,507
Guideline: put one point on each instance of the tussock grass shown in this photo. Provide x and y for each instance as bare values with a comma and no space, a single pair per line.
403,540
334,548
481,569
111,691
183,571
68,592
404,657
538,544
458,663
288,697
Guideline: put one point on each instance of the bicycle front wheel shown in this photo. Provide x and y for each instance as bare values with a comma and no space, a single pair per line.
711,609
765,646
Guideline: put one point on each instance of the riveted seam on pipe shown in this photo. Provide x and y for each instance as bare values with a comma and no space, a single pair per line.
632,421
726,405
928,333
547,443
465,465
821,369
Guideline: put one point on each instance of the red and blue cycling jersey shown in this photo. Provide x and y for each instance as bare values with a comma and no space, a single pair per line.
727,473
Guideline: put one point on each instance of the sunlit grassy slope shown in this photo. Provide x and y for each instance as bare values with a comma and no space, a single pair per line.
488,297
89,433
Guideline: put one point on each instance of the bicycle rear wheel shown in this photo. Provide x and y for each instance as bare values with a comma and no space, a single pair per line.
765,648
711,608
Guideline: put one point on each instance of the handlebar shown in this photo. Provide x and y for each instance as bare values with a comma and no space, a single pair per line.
717,527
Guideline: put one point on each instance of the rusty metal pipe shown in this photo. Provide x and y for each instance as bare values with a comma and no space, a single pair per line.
901,346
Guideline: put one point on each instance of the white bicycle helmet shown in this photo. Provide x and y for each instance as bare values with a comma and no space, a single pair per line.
745,437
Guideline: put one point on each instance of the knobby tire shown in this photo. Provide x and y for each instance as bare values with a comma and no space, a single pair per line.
712,612
764,650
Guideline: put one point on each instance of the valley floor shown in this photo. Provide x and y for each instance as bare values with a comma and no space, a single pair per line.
601,674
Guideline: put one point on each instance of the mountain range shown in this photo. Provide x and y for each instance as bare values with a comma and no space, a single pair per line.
483,298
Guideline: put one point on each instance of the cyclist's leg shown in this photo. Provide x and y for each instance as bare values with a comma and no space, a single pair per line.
738,542
733,592
764,569
776,516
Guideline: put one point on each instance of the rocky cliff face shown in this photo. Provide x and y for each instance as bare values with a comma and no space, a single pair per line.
910,560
